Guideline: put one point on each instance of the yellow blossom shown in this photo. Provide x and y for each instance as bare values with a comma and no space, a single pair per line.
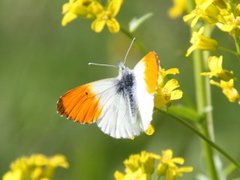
150,130
228,89
228,22
80,8
205,9
164,73
216,70
107,17
145,165
36,167
138,166
145,161
179,7
138,175
169,166
199,41
167,91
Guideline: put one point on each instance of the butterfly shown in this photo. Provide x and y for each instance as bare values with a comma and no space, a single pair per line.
122,107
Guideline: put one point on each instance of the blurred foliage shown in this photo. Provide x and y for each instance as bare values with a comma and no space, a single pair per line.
40,60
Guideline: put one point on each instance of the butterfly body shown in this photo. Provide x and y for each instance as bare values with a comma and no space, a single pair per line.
122,107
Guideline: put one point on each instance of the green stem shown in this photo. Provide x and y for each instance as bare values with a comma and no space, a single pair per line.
237,44
204,108
229,51
131,36
203,137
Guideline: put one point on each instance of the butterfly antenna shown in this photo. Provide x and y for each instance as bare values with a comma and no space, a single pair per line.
100,64
125,58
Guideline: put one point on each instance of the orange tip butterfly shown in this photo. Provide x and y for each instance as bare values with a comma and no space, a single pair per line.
122,106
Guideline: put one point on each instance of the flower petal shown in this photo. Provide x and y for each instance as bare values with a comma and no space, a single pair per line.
98,25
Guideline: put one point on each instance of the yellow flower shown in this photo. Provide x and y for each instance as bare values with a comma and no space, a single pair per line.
228,89
205,9
164,73
36,167
169,166
107,17
199,41
138,166
138,175
228,22
150,130
145,161
80,8
144,165
179,7
216,70
58,161
167,91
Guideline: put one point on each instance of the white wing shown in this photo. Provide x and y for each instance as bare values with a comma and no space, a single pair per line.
146,73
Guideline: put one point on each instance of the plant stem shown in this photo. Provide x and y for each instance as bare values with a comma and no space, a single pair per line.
203,137
229,51
204,108
131,36
237,43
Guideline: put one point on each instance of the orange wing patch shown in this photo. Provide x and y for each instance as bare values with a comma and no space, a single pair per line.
80,104
151,71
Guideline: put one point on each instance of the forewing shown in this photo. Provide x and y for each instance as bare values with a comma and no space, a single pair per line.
146,73
82,104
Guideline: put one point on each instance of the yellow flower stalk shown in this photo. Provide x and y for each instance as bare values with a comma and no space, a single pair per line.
202,42
167,91
107,17
216,70
178,8
228,89
36,167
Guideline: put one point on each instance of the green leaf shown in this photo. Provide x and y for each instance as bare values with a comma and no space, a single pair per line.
136,22
185,112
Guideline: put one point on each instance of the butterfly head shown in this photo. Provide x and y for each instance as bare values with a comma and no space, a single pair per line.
123,70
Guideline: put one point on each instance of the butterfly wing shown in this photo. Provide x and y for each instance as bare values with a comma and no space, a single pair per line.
100,102
146,72
82,104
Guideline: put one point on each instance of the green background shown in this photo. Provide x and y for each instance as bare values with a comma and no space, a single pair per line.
40,60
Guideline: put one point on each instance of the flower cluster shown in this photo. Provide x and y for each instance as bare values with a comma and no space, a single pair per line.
224,15
145,165
36,167
93,9
225,78
167,90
